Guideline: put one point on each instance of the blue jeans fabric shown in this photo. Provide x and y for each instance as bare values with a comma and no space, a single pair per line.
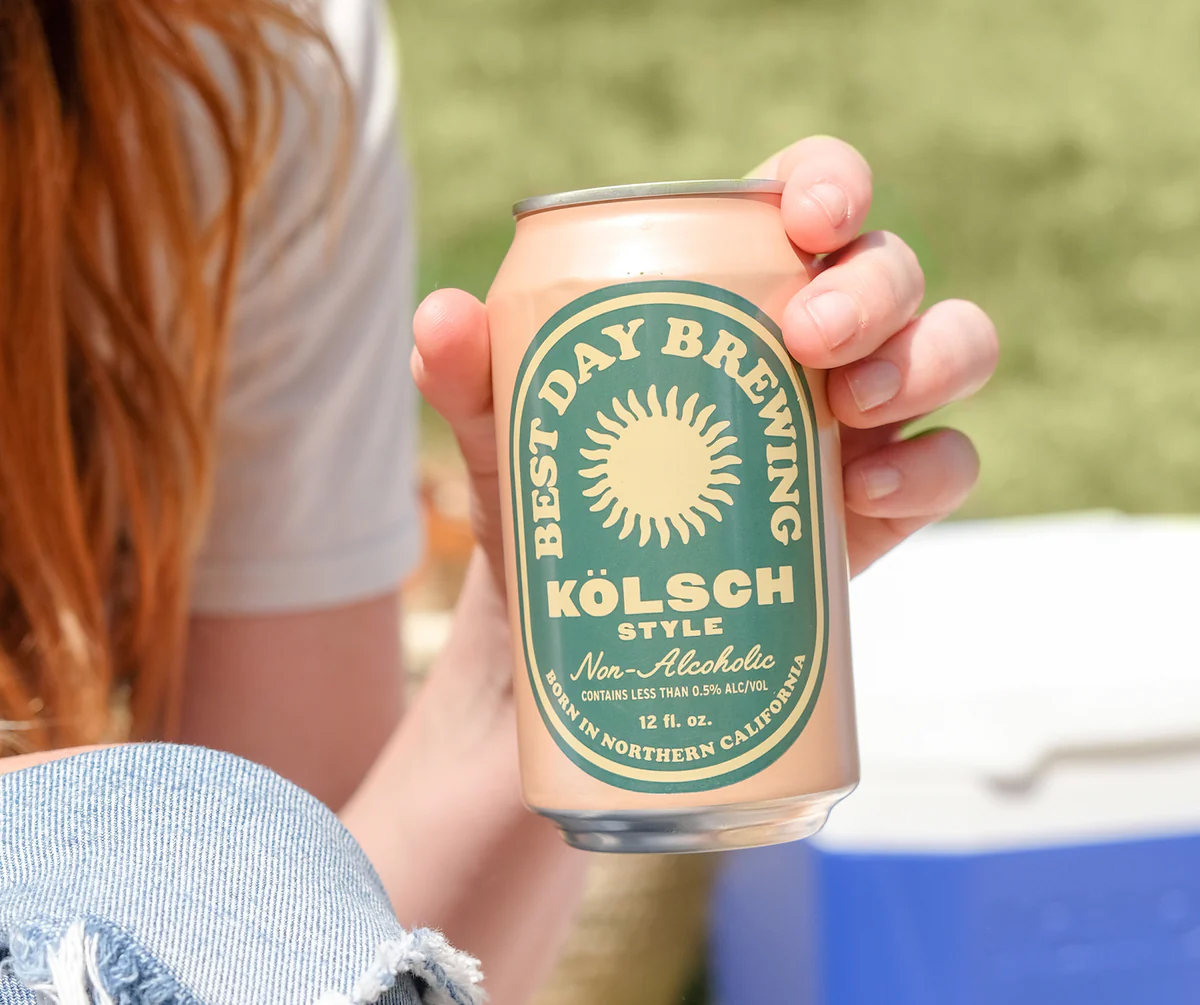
162,875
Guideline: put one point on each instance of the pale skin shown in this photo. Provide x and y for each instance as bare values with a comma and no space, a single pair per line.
434,796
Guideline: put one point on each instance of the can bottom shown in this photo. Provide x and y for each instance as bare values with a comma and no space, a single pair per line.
697,829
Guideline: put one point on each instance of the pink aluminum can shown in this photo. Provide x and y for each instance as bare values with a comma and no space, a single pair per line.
674,531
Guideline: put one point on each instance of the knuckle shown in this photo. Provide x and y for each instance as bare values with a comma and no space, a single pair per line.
881,295
893,275
907,264
823,142
851,153
971,340
960,460
983,326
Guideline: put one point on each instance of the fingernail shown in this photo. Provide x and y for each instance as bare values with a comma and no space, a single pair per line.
873,382
833,202
880,480
836,316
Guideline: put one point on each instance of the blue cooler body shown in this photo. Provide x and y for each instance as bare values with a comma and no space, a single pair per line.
1027,829
1104,924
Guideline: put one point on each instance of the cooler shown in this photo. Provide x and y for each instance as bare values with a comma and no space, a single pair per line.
1027,829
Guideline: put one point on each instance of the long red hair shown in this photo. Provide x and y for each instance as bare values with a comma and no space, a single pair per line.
116,287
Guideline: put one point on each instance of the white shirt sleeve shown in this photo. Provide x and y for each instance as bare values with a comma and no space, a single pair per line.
314,495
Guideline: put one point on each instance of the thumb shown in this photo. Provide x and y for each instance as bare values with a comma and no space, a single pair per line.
451,364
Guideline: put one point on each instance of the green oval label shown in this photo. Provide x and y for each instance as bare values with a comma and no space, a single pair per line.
668,526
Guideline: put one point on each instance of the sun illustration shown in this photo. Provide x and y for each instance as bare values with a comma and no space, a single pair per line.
659,466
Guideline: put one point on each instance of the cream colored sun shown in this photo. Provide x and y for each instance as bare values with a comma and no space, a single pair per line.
659,467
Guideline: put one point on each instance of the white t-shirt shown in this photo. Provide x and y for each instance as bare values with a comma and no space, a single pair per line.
314,496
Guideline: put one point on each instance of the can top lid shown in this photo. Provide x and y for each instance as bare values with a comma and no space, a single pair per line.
652,190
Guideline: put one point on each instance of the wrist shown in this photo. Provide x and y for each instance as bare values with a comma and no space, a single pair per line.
470,682
455,752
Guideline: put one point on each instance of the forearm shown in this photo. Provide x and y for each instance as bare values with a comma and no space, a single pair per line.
312,695
441,816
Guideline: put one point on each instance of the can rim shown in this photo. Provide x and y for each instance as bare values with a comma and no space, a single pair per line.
651,190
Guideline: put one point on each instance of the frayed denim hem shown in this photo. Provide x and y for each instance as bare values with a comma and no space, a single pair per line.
94,963
449,976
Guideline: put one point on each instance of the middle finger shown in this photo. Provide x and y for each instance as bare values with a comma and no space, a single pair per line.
870,292
946,354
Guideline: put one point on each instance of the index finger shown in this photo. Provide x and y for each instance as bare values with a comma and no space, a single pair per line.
827,194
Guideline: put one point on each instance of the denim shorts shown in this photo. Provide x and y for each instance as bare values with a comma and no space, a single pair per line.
154,874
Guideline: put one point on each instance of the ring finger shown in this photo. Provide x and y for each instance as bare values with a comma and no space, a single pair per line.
948,353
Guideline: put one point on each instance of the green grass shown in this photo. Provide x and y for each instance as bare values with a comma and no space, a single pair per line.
1042,155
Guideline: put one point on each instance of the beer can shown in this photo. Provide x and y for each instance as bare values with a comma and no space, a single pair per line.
673,522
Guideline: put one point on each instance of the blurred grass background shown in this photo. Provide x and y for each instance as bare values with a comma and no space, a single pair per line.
1043,156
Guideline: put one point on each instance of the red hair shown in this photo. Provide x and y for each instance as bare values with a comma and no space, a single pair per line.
115,297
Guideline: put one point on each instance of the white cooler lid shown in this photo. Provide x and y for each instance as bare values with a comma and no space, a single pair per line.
991,654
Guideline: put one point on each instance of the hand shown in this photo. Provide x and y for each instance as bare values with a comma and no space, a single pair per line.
458,849
857,319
